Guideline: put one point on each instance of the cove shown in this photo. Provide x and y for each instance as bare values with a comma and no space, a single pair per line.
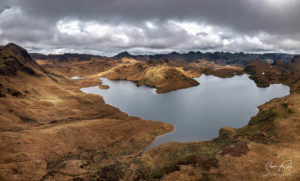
197,113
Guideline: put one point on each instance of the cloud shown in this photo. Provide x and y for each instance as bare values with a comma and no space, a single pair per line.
142,26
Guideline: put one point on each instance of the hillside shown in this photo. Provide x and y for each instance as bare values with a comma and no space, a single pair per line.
51,130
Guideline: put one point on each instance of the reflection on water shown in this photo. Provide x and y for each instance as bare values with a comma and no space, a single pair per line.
198,112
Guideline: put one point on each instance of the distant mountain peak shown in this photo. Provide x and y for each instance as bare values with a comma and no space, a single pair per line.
15,50
174,53
123,54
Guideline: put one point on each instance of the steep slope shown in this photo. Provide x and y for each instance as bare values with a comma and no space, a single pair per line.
49,130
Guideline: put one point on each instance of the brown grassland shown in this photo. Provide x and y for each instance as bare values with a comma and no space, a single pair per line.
50,130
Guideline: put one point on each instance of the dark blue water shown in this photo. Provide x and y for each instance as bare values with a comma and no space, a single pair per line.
198,112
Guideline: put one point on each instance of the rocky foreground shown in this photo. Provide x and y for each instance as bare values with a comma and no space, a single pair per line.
49,130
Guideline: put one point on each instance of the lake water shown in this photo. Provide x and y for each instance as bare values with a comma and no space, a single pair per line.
197,113
76,78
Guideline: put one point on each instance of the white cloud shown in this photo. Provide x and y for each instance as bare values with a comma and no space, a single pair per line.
69,27
96,29
290,44
194,28
150,25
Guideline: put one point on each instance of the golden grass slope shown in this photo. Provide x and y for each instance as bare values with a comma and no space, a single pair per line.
49,130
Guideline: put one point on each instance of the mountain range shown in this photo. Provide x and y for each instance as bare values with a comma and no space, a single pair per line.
223,58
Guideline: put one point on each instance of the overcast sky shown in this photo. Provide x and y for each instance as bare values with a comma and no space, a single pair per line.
107,27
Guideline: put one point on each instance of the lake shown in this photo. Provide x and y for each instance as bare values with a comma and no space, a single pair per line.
197,113
76,78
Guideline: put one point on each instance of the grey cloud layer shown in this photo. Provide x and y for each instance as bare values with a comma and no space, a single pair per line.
268,15
233,25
